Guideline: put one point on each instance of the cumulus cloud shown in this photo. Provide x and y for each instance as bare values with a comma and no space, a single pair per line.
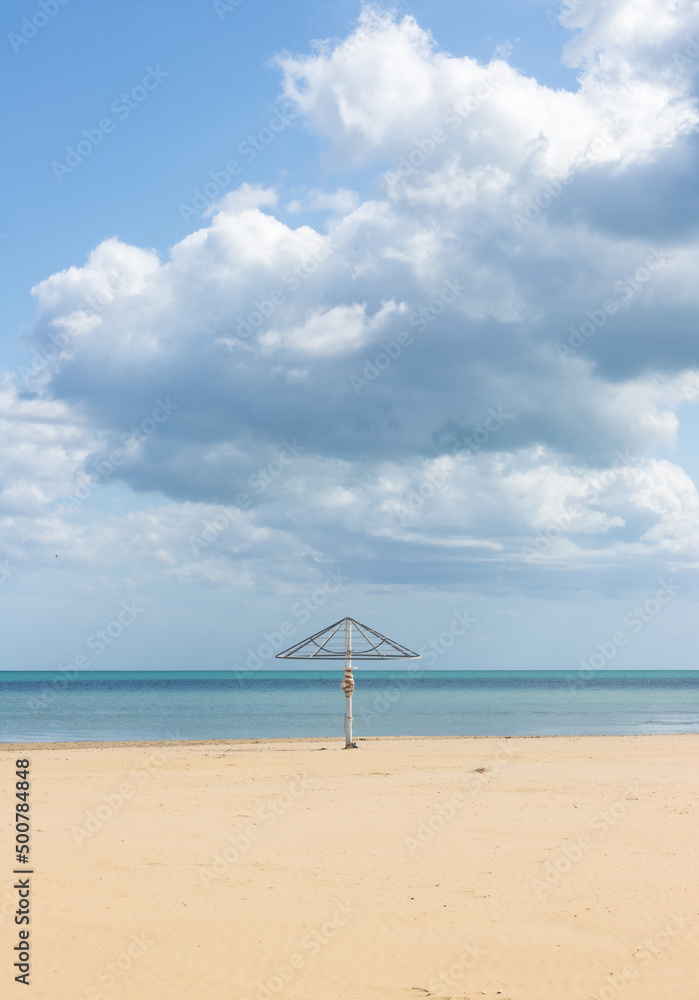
384,90
475,335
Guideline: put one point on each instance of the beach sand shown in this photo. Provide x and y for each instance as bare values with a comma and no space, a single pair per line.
561,868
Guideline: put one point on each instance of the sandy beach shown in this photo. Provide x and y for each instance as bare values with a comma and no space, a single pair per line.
526,868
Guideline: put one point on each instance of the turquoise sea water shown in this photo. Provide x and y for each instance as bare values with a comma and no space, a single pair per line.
160,705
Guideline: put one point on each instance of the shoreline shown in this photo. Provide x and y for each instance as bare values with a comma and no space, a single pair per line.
335,740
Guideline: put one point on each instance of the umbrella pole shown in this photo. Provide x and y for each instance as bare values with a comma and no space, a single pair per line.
348,685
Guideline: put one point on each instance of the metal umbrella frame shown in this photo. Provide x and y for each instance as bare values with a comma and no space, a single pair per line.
335,643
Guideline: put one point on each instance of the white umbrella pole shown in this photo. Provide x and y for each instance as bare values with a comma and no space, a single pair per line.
348,685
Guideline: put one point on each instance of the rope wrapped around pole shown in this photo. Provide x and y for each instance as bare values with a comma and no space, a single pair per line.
347,685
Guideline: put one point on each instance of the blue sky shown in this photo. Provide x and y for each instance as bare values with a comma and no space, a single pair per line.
433,335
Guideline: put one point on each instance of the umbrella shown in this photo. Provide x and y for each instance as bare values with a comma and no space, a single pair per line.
347,639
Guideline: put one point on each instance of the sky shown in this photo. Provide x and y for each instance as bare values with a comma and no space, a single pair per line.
334,309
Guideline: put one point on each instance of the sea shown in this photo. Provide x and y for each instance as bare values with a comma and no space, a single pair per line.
112,706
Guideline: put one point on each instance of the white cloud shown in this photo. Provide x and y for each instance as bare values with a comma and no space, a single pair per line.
254,329
387,88
335,331
340,202
41,442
